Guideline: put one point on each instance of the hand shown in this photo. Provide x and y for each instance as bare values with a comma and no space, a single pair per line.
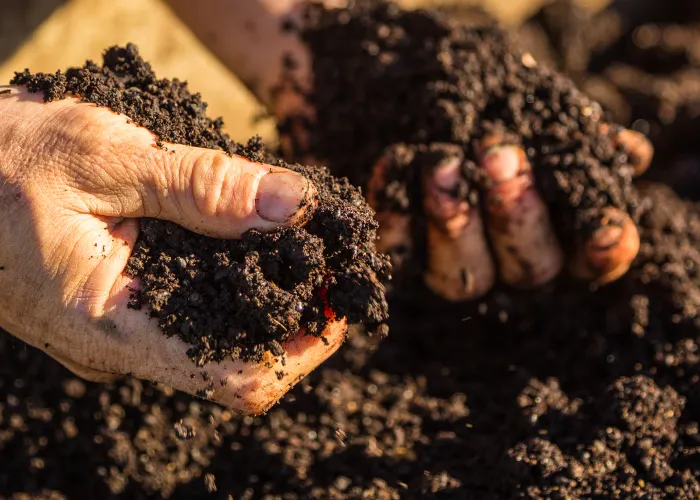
460,263
74,178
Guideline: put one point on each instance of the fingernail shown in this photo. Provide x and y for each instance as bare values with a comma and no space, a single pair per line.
447,175
281,195
502,163
606,237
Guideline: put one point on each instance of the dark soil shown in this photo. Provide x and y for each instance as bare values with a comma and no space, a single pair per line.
234,298
563,392
567,395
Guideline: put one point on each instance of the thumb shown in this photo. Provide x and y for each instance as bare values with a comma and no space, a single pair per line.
206,191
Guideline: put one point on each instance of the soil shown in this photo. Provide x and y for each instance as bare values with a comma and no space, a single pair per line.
234,298
641,61
562,392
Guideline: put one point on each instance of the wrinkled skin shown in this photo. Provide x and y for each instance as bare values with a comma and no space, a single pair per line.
74,178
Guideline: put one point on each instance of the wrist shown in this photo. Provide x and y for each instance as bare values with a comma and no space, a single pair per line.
248,37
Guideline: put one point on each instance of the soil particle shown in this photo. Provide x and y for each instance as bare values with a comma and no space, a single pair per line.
210,483
234,298
183,431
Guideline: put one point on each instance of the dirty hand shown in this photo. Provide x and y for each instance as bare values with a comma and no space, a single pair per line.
74,179
460,263
513,218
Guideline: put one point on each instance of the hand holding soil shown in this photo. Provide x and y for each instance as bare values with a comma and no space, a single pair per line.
480,163
490,165
73,178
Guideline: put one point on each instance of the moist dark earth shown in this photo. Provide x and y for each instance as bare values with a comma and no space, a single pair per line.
234,298
581,393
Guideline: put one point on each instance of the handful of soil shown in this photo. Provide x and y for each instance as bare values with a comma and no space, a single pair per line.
234,298
386,76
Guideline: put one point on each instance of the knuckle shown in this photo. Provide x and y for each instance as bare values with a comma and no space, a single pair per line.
207,179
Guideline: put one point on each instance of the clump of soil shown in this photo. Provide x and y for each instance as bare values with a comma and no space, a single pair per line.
641,60
234,298
386,76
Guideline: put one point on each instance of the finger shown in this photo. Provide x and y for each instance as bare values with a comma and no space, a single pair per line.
203,190
637,146
608,252
394,233
518,222
459,265
639,149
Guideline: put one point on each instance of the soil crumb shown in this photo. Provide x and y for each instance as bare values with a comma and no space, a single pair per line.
234,298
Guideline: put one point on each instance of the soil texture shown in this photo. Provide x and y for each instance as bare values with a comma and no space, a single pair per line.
387,76
565,392
641,61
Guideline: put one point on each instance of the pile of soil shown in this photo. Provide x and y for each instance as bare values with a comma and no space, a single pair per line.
234,298
563,392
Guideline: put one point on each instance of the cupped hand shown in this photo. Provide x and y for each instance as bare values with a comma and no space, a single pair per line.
74,179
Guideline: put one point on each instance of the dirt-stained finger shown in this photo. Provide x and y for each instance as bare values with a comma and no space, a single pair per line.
394,233
637,146
609,250
459,264
518,221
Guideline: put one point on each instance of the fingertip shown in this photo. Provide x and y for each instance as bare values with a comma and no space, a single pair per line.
639,149
285,197
610,250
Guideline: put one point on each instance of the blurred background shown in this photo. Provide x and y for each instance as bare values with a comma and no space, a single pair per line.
45,35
